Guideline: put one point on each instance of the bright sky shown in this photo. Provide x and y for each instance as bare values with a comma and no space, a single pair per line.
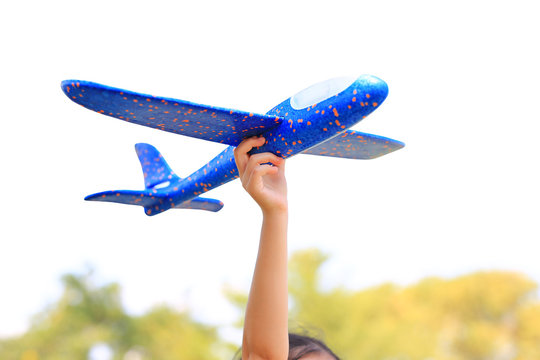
462,196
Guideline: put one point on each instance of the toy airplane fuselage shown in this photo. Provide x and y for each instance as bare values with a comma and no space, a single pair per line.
314,121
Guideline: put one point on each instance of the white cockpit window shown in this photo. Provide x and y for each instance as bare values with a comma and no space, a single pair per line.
320,92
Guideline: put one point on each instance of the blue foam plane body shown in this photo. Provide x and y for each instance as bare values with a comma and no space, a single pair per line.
315,121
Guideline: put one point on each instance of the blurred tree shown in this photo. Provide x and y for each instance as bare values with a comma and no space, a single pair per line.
87,315
528,332
486,315
167,334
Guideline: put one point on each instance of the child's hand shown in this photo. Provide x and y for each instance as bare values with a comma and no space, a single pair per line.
265,183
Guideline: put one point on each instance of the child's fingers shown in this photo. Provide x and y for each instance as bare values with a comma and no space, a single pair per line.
255,161
265,157
241,156
281,166
255,177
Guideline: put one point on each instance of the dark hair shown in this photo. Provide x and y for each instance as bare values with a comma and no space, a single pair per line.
300,345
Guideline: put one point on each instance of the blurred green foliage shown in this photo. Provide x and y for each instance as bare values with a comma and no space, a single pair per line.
485,315
87,315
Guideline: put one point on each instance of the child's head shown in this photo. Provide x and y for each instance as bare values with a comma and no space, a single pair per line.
308,348
302,347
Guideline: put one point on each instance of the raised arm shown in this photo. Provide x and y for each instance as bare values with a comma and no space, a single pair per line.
266,323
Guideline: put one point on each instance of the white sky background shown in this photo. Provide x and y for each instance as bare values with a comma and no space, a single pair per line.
462,196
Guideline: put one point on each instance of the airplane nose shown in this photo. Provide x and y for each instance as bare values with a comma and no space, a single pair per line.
375,89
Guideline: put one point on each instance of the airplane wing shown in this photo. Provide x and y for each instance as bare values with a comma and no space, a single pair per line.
177,116
355,145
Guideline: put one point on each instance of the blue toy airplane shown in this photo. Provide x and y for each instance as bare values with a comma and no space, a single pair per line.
314,121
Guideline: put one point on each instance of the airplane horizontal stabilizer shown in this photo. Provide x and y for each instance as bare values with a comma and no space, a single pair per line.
199,203
356,145
210,123
153,203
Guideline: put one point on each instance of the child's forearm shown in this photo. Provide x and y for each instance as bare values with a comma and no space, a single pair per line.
266,321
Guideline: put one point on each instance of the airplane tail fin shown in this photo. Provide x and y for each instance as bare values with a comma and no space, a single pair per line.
155,169
157,196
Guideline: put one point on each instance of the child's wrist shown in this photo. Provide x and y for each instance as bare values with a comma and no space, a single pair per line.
275,211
